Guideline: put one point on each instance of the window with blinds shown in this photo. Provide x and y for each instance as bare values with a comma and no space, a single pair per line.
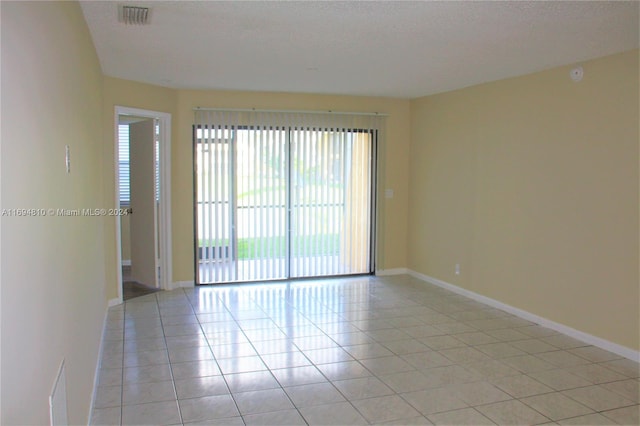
124,174
283,195
124,179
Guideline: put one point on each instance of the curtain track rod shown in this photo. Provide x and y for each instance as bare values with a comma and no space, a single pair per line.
375,114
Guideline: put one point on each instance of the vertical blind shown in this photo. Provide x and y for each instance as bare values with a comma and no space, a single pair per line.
283,194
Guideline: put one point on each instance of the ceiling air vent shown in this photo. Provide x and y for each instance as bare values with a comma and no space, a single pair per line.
133,15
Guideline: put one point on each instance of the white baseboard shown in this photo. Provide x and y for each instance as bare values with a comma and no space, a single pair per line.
58,411
394,271
183,284
571,332
96,375
113,302
126,262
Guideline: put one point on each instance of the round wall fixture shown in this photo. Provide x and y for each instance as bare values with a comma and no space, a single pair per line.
576,74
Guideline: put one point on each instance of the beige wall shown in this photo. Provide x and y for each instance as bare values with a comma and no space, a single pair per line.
53,285
180,104
531,185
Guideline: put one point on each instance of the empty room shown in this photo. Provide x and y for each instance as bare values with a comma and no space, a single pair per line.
319,212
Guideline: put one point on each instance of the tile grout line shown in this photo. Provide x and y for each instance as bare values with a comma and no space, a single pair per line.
226,383
324,329
323,375
325,334
164,338
265,364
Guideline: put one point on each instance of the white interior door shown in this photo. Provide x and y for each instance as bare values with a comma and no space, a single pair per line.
143,202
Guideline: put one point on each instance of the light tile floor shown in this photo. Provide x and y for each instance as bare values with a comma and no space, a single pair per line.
369,350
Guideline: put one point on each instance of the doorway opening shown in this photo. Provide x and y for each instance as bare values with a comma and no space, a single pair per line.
143,196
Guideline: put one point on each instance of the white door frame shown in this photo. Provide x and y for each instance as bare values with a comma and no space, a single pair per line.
165,258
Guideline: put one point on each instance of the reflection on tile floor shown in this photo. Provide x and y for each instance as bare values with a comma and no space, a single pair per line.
368,350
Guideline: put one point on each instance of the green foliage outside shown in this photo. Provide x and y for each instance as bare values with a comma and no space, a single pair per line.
270,247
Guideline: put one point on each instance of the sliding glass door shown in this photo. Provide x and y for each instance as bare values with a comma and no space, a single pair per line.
331,199
283,202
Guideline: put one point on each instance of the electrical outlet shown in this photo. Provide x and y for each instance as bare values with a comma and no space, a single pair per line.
457,269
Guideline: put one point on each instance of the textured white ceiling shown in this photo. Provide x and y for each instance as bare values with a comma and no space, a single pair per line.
381,48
